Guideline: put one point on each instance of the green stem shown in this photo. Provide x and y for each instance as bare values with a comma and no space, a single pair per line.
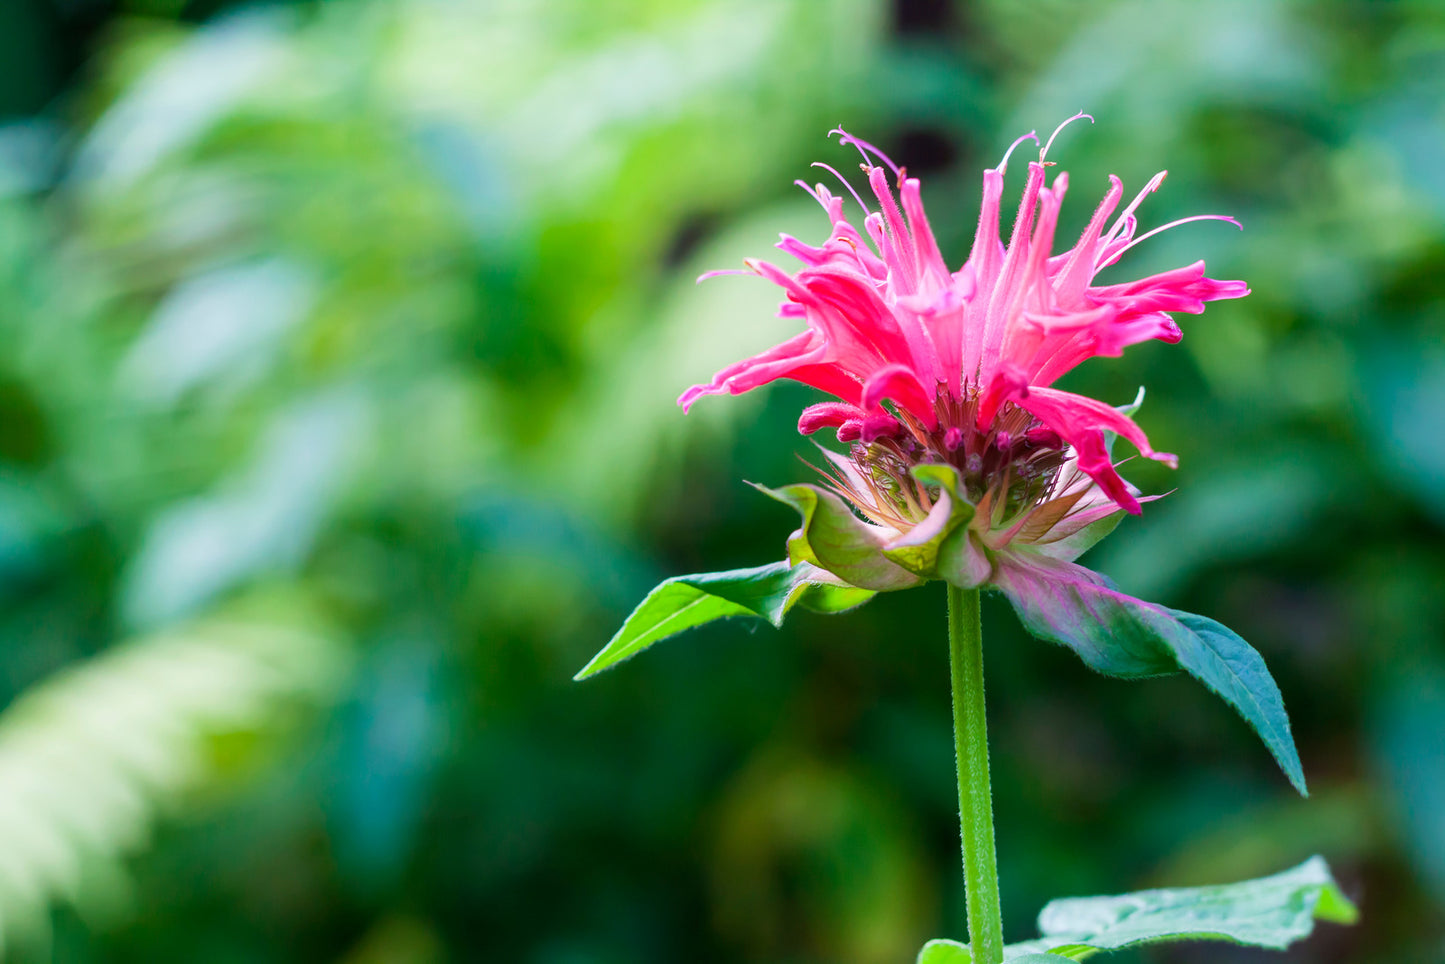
975,799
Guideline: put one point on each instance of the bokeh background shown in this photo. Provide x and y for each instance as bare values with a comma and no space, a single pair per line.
338,350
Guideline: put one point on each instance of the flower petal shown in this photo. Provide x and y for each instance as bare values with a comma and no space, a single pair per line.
827,415
798,353
901,384
1082,422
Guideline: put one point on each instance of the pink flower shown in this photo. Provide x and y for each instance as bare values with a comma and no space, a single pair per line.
956,367
964,463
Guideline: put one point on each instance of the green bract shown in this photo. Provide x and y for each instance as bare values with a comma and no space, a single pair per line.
942,546
835,539
836,561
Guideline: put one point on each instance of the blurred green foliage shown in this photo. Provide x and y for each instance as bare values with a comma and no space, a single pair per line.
336,432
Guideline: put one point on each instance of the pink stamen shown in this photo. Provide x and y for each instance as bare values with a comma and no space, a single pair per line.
1044,152
1128,212
1165,227
721,271
865,149
811,191
844,181
1003,164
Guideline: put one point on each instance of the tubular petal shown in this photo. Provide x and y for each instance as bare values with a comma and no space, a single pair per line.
1123,221
899,383
845,182
1081,421
826,415
956,352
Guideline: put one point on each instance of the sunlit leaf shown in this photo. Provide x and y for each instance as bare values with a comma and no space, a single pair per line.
223,325
944,952
685,602
1271,912
952,952
264,520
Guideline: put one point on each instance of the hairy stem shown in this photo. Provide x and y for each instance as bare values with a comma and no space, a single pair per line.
975,798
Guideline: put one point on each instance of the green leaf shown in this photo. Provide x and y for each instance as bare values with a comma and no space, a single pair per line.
1271,912
944,952
685,602
835,539
1220,659
952,952
1118,635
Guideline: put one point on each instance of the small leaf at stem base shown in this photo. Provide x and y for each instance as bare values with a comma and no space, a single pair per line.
1271,912
944,952
952,952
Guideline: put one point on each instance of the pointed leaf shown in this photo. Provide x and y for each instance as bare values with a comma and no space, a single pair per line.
1118,635
835,539
684,602
1219,658
1271,912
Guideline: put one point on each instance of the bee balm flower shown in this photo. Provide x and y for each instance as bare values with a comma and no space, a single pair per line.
964,462
930,365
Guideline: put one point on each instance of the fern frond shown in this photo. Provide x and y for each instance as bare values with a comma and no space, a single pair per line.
90,757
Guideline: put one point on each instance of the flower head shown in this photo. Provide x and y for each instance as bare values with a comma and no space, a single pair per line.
932,366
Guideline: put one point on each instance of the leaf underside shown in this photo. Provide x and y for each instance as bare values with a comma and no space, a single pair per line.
1271,912
1118,635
